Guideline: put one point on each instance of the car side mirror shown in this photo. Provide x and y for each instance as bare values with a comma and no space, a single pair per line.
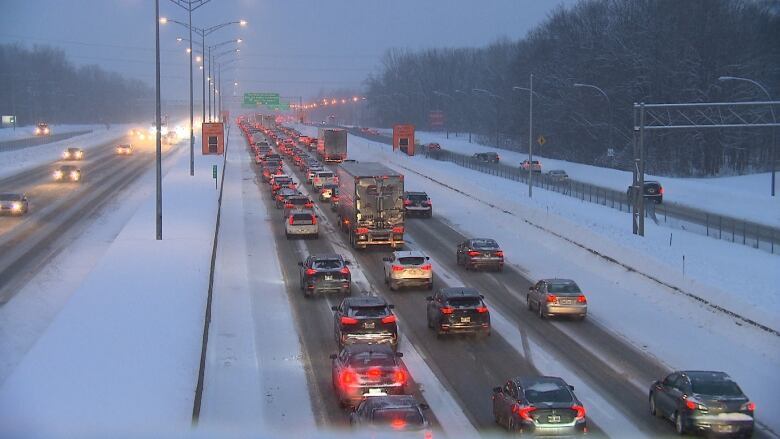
399,354
429,298
334,307
481,296
496,389
333,356
531,288
300,264
424,406
571,387
387,259
427,258
391,306
347,262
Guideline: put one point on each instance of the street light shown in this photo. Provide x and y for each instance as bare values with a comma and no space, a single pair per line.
609,104
530,91
212,59
774,120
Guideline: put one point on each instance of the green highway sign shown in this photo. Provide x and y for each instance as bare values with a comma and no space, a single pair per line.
214,171
261,98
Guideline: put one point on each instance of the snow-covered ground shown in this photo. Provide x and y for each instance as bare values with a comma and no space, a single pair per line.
23,132
743,197
123,353
544,236
21,159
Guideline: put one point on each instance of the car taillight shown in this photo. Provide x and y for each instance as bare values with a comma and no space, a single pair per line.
398,229
313,219
348,320
389,319
482,309
580,411
581,299
426,267
692,404
473,253
348,377
374,372
427,203
344,270
407,202
523,412
361,230
749,406
447,310
661,191
552,298
500,253
309,205
276,187
288,206
291,220
397,268
399,376
310,272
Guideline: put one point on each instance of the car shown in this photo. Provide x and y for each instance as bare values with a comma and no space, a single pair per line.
703,402
298,201
653,191
327,191
391,413
280,182
73,154
67,173
281,196
489,157
539,405
417,203
312,172
13,204
408,268
557,297
322,178
301,223
480,252
364,319
124,149
533,166
42,129
325,272
359,369
457,309
558,175
433,146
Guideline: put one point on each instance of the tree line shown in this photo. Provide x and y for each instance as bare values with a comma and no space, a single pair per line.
40,84
590,64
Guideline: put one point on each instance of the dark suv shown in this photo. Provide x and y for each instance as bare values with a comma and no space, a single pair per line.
540,405
490,157
325,273
700,401
417,203
392,414
360,369
480,252
458,309
653,191
364,319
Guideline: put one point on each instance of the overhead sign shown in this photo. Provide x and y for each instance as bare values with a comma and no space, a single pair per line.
261,99
9,120
541,140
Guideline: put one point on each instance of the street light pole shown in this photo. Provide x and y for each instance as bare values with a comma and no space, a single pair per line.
772,164
530,91
609,103
158,122
468,123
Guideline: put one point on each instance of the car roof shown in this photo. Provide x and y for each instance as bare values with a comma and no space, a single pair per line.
705,374
559,281
364,301
73,147
470,240
11,196
408,254
460,292
652,182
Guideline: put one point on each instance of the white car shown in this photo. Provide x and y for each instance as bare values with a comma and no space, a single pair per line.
301,222
321,178
408,268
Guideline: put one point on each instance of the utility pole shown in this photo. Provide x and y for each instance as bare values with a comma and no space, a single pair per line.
158,120
531,137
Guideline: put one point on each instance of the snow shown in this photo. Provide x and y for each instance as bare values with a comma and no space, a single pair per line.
23,132
743,197
21,159
123,353
553,235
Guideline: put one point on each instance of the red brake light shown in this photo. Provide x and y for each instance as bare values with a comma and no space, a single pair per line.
309,204
291,220
348,320
288,206
426,267
399,376
751,406
389,319
310,272
407,202
500,253
523,412
397,268
661,191
580,411
690,404
482,309
447,310
344,270
581,299
552,298
313,219
348,377
473,253
374,372
397,424
398,229
361,231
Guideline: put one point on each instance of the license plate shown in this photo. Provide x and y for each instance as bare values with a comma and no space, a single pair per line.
465,319
553,419
567,301
328,277
725,428
487,255
369,325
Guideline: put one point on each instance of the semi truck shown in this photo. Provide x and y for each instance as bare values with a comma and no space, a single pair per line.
332,145
371,207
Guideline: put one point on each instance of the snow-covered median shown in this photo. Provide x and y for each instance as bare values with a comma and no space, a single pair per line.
123,354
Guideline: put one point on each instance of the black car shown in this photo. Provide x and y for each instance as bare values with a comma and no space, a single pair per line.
490,157
539,405
417,203
480,252
365,319
702,401
328,272
391,413
298,201
458,309
282,195
13,204
653,191
361,369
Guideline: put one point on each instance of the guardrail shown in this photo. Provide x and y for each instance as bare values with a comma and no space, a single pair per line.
668,213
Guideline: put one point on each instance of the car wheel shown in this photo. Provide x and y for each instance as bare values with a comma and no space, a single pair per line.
393,286
679,426
287,235
653,409
457,259
430,285
500,268
541,312
528,302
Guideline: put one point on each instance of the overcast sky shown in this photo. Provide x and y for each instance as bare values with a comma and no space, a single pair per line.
292,47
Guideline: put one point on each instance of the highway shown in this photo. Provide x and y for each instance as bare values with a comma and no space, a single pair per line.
11,145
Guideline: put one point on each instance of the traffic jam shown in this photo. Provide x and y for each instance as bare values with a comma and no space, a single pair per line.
361,243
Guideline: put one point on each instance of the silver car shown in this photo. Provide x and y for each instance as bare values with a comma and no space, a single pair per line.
301,222
408,268
13,204
557,297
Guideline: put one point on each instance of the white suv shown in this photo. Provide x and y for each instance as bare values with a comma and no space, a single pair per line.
408,268
301,222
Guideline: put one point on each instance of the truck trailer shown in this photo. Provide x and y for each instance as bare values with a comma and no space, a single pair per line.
332,145
371,207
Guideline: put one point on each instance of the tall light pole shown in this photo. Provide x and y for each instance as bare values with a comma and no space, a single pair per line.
530,91
609,104
772,152
158,122
212,80
498,110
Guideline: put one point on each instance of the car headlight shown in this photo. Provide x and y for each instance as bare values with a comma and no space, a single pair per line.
80,154
74,175
16,206
46,131
37,131
57,175
65,154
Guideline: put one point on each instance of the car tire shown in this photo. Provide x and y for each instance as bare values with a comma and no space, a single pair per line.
393,286
430,285
653,409
316,236
541,312
679,425
528,302
500,268
287,235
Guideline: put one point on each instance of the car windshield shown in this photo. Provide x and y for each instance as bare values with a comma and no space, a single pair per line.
326,264
400,418
368,311
411,260
464,302
484,244
547,391
564,288
716,388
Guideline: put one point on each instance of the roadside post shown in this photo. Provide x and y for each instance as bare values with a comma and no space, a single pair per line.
214,175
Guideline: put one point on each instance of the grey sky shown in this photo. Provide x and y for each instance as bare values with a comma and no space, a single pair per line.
293,47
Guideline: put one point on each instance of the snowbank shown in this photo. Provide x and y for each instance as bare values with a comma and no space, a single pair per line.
123,353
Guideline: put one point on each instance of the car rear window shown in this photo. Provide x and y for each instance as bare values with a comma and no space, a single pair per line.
325,174
368,311
411,260
298,200
464,302
564,288
369,359
716,388
302,218
417,197
547,392
484,243
402,418
326,264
